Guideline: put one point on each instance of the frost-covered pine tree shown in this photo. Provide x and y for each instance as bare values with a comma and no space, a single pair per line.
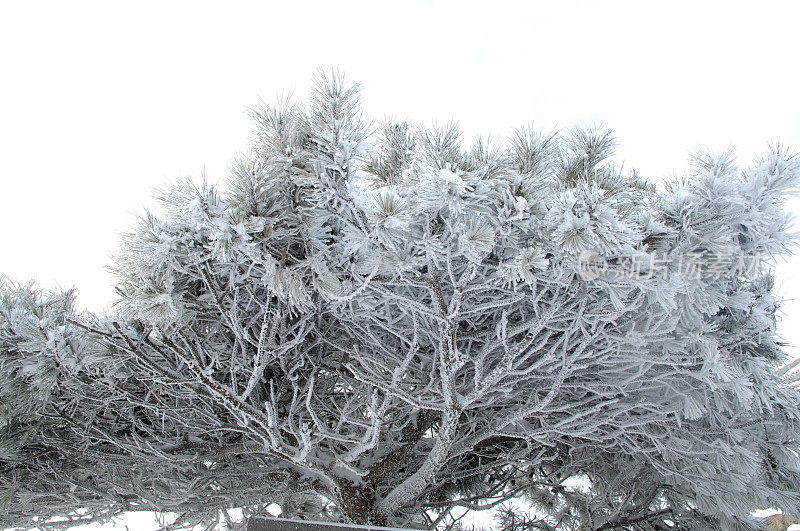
375,325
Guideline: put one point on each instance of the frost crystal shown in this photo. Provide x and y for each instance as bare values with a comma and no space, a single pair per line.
382,330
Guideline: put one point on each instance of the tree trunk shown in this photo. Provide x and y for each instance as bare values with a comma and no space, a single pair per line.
358,505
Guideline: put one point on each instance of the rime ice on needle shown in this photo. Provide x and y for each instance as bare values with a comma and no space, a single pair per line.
389,351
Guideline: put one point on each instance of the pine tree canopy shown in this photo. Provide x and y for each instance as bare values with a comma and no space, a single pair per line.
369,323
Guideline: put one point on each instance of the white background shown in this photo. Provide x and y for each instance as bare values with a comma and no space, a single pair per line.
101,102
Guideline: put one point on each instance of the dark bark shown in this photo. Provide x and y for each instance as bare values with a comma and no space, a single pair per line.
358,504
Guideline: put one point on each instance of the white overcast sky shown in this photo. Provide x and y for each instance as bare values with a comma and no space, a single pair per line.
101,102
